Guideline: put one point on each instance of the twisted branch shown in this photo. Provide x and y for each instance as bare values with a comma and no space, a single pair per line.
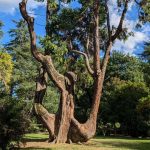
91,72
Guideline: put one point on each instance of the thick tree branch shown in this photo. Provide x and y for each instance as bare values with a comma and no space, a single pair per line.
30,22
86,61
119,28
96,37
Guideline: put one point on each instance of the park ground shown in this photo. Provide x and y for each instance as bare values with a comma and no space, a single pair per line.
39,142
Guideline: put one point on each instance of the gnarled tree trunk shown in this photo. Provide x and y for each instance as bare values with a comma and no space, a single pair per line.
62,126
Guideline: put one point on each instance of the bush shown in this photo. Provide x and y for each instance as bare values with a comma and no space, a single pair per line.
13,122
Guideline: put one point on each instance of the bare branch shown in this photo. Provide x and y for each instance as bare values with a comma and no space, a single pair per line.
86,61
30,22
119,28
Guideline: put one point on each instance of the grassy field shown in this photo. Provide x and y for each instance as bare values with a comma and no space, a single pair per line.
38,142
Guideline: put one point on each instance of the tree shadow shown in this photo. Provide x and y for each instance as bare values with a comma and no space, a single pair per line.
34,148
120,144
24,140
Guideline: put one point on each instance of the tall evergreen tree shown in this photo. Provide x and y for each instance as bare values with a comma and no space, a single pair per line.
25,68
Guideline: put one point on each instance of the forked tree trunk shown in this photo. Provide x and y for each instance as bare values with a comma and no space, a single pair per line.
62,126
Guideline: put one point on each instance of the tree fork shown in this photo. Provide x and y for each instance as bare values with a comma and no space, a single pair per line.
63,125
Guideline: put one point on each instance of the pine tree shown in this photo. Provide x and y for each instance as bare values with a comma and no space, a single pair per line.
25,68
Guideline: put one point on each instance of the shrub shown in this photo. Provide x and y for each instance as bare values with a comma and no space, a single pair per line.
13,121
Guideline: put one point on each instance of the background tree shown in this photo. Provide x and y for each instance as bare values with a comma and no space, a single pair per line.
146,63
6,65
22,84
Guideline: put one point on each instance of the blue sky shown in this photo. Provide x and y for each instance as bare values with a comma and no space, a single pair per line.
134,45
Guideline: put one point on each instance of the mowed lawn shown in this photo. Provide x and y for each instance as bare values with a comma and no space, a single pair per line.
39,142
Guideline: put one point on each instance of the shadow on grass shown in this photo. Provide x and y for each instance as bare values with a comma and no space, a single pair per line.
135,144
34,140
121,137
33,148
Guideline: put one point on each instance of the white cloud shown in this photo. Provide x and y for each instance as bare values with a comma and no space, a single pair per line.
132,43
10,6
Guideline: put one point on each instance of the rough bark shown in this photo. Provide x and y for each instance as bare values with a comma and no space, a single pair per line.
62,126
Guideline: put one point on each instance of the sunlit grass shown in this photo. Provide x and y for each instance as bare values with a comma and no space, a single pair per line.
97,143
36,136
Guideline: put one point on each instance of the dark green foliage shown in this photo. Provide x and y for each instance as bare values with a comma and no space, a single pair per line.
14,121
146,53
122,66
83,91
146,63
125,95
122,102
144,10
51,99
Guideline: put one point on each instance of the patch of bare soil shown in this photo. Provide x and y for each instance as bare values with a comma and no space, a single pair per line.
35,145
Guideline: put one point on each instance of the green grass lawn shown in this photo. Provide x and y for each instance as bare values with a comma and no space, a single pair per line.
34,136
97,143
